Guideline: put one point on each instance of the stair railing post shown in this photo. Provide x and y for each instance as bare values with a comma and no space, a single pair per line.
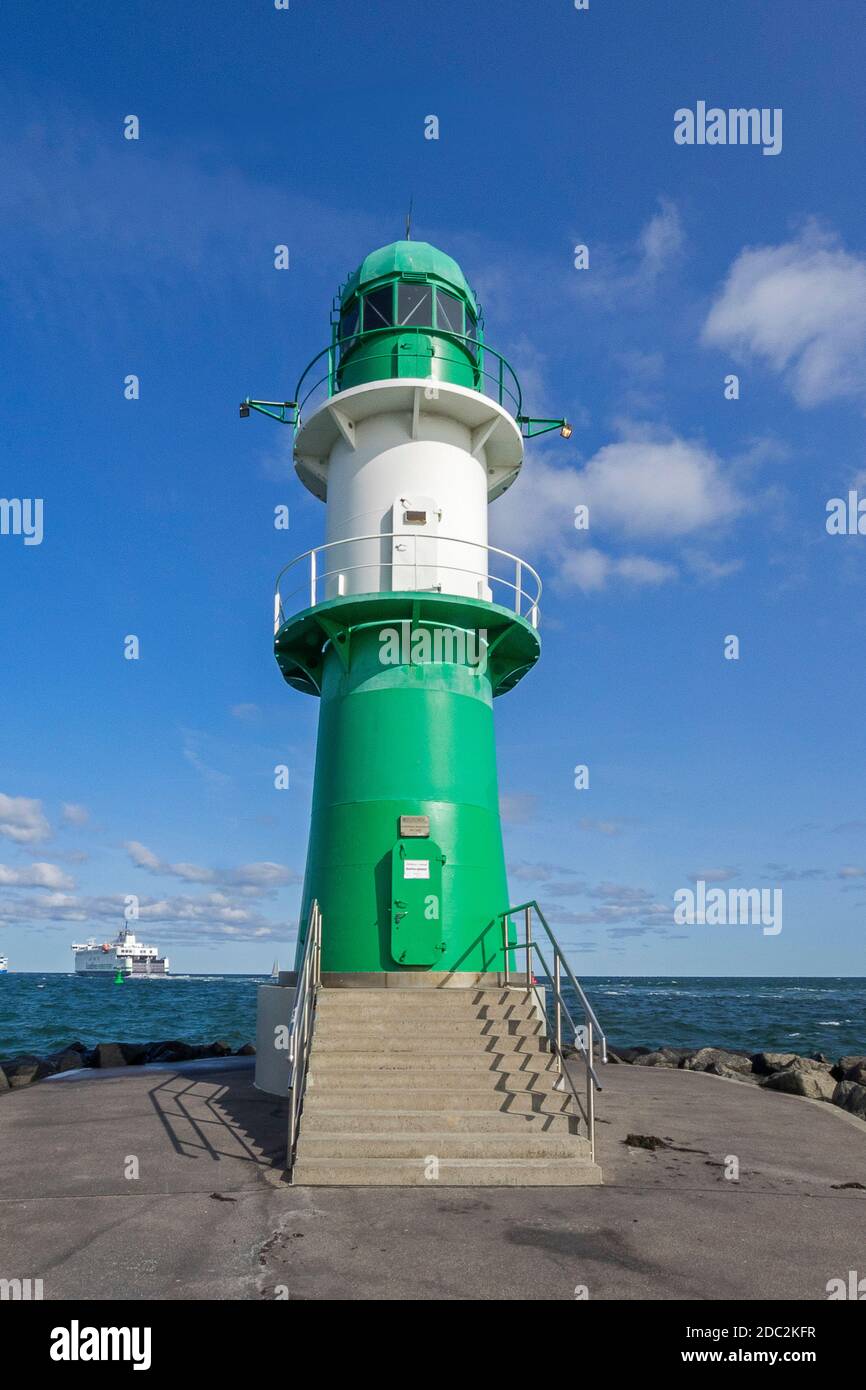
505,921
318,972
556,986
527,918
590,1094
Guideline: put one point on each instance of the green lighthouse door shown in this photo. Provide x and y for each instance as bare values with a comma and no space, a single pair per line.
416,902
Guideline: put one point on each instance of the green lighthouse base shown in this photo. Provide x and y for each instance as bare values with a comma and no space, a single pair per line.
405,857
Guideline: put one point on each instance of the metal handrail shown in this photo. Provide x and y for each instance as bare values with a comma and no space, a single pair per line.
522,569
481,350
301,1027
591,1023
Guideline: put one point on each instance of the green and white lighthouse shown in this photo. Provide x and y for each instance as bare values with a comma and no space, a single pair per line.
406,624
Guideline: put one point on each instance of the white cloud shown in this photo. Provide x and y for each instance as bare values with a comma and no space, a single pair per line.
22,819
708,567
714,875
605,827
75,814
801,307
662,238
39,875
250,880
590,569
632,271
246,713
653,488
210,919
639,488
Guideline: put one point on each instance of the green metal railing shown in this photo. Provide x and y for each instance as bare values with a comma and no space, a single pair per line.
484,363
309,980
491,374
586,1035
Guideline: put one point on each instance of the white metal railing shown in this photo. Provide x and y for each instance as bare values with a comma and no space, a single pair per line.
301,1027
585,1035
328,571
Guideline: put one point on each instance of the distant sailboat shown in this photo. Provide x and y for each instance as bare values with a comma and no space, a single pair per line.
275,971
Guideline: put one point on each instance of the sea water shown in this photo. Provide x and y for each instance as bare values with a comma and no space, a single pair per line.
39,1013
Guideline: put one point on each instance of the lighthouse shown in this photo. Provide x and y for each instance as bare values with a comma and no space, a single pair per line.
413,1029
406,624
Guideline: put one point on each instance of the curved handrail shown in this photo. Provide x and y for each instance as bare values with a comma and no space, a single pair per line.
505,377
301,1027
554,978
587,1007
522,571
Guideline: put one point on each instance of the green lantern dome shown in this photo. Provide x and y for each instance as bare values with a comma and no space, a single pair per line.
411,260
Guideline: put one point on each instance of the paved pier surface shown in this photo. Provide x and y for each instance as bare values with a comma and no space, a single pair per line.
209,1215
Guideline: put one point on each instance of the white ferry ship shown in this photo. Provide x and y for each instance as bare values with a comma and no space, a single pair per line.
124,954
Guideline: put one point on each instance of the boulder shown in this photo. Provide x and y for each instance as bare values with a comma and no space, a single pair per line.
109,1055
765,1063
661,1057
815,1084
628,1054
68,1059
851,1069
246,1051
733,1074
4,1080
22,1071
219,1049
719,1061
851,1097
175,1050
134,1053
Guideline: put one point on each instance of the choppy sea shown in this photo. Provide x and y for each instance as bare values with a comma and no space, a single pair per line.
39,1013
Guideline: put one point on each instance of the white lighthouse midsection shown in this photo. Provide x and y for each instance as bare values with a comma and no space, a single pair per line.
409,513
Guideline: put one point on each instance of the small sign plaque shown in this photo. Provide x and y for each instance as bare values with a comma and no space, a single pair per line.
416,868
414,827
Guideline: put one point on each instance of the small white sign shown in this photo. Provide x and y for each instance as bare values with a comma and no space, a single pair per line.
416,868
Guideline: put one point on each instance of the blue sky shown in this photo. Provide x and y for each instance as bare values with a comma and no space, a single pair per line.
707,516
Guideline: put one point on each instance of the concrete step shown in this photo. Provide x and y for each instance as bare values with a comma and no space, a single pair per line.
328,1119
409,1078
454,1172
436,999
313,1145
392,1017
456,1058
337,1025
399,1098
425,1043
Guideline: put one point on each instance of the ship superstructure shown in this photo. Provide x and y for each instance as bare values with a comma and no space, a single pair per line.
124,954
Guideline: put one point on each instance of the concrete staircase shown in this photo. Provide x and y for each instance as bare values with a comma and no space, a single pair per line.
447,1087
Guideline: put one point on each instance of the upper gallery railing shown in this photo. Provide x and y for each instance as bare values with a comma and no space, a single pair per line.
404,562
492,374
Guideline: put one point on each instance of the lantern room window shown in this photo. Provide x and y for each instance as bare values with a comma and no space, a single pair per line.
472,333
414,305
349,324
449,312
379,309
